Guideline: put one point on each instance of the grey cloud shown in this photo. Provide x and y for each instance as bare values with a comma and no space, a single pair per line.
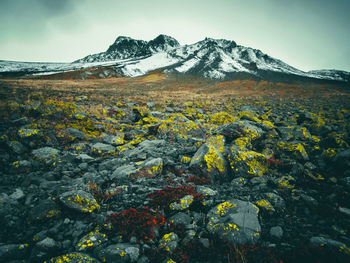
28,19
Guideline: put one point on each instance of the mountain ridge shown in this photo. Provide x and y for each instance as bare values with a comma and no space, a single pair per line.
216,59
210,58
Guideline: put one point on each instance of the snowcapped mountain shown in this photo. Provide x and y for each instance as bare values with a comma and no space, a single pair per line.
217,59
210,58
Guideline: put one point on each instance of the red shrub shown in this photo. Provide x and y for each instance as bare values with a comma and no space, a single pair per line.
274,162
99,195
163,198
139,223
197,180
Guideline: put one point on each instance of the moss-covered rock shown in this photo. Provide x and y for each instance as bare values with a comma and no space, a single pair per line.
245,163
210,160
80,201
295,148
235,221
73,258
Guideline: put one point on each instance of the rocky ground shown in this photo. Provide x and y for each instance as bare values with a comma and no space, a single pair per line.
235,180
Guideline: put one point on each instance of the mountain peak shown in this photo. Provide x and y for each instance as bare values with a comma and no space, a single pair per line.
164,37
122,38
224,43
125,47
162,43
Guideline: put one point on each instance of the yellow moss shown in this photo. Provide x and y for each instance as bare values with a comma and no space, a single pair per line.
164,242
268,124
184,203
91,239
315,139
284,182
317,119
69,257
256,162
296,148
28,132
223,208
305,132
213,158
186,159
233,226
221,118
264,204
53,213
329,153
242,142
85,204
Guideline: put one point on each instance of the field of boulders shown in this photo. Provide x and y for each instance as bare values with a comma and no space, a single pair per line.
235,180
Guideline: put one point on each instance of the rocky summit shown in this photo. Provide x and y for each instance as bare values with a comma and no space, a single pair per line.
234,179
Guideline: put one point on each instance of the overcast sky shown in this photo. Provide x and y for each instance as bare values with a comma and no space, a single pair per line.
307,34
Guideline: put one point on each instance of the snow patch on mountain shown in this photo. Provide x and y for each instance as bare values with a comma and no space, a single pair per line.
187,65
143,66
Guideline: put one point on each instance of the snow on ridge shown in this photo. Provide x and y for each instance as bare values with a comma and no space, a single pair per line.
187,65
143,66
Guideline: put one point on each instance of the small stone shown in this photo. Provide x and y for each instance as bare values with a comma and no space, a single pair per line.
344,210
122,252
85,158
45,153
322,241
17,194
66,244
101,147
205,242
117,139
17,147
183,203
80,201
181,218
91,240
123,172
150,104
47,244
44,211
169,242
133,240
27,133
83,166
276,232
75,133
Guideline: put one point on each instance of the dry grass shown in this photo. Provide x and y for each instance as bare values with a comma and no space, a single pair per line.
161,89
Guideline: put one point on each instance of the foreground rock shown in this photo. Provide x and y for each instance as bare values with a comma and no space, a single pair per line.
192,182
235,221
